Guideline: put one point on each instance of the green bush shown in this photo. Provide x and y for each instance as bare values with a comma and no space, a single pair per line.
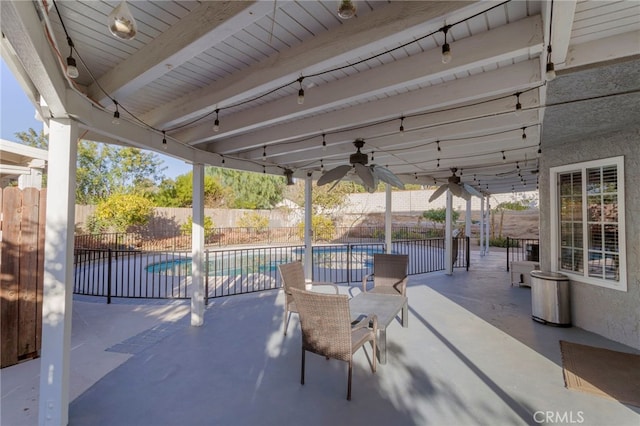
118,212
208,226
253,220
323,228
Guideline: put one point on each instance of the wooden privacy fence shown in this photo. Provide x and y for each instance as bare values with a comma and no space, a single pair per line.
21,273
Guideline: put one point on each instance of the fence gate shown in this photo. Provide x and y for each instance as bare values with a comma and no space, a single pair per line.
21,273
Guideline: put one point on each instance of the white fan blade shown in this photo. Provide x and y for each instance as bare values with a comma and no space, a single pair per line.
464,193
333,174
439,192
366,175
456,189
387,176
471,190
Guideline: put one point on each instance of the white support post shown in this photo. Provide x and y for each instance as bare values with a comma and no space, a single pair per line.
448,236
467,220
58,274
197,247
388,210
308,230
488,225
482,226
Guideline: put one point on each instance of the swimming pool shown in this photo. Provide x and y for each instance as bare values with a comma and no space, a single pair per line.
240,264
243,263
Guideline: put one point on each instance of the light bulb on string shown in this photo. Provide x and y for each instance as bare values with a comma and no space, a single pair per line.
346,9
321,165
216,123
524,133
438,145
164,140
504,158
116,115
438,165
222,156
402,124
550,73
264,153
121,22
300,92
372,153
324,142
518,104
72,69
446,49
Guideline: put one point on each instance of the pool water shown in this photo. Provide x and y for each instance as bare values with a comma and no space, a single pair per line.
222,266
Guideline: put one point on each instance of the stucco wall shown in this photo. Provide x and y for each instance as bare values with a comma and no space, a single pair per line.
611,313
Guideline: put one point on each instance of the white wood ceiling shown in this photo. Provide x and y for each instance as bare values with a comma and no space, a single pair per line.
361,76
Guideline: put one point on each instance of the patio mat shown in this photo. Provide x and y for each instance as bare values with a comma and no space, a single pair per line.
601,372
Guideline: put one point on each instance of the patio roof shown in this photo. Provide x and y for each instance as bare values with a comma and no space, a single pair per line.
470,355
244,62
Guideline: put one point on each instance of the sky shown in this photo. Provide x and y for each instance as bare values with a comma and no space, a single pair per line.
17,114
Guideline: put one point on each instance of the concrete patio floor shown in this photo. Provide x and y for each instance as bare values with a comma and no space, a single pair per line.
471,355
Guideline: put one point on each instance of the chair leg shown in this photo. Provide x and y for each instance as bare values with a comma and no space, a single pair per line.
302,368
375,355
349,382
287,315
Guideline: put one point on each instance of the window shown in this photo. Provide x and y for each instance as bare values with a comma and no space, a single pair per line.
588,220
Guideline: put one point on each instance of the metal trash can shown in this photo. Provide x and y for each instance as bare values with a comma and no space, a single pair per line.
550,298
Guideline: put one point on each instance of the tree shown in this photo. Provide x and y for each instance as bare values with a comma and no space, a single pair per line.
500,209
179,193
34,139
120,211
250,190
104,170
440,215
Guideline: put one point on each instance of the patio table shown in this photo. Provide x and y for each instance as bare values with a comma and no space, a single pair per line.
386,307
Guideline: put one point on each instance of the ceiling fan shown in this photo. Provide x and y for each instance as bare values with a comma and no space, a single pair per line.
457,188
370,175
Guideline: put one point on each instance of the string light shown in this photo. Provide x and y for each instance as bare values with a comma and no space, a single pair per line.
402,124
524,133
164,140
517,165
446,49
72,69
321,165
216,123
504,158
116,114
300,92
438,145
438,165
222,156
550,73
264,170
264,153
518,104
372,152
324,142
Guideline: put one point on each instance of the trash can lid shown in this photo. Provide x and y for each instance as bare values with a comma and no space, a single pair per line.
548,275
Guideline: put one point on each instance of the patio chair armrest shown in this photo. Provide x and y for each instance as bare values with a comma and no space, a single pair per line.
369,321
326,284
403,285
364,281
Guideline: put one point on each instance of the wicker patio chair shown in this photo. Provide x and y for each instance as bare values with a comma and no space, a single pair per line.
327,330
389,274
292,275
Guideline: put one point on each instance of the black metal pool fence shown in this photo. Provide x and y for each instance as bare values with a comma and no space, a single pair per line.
134,273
